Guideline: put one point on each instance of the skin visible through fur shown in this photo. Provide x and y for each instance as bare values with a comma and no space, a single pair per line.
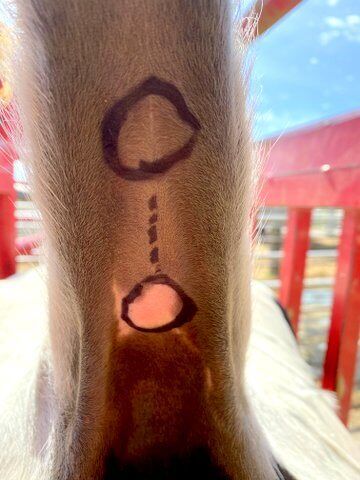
130,403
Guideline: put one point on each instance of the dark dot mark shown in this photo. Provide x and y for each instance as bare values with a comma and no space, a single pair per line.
116,116
152,232
158,269
185,315
153,218
154,255
152,202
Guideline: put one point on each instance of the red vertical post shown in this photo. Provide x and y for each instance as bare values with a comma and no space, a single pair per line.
340,361
296,244
7,201
7,213
7,235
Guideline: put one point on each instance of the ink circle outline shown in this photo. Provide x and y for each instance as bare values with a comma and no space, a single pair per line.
186,314
116,116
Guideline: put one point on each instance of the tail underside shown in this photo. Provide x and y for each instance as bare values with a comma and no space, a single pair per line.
134,114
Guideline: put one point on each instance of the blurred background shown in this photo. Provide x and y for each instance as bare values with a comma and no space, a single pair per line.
305,85
305,91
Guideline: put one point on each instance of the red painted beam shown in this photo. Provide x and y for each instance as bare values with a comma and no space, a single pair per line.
267,12
318,166
292,270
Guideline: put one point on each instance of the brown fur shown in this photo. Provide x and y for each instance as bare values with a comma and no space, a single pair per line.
125,402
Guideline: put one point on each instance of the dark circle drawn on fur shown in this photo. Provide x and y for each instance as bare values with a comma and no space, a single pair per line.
116,116
184,316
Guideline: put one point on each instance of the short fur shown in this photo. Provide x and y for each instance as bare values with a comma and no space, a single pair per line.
138,405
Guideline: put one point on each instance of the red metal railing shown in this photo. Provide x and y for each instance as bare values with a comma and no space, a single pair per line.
320,167
10,246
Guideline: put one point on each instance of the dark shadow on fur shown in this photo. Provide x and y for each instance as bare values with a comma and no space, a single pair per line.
285,474
197,464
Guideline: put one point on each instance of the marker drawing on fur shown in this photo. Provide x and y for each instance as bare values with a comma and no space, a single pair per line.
115,119
152,233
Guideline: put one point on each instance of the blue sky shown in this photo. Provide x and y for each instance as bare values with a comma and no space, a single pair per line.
307,67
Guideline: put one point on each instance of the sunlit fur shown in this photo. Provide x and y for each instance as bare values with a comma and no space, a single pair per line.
183,390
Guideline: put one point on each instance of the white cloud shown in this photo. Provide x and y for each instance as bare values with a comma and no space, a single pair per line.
313,60
347,27
350,21
334,22
326,37
353,20
332,3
